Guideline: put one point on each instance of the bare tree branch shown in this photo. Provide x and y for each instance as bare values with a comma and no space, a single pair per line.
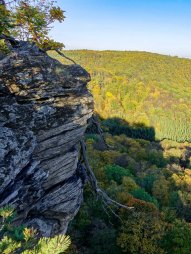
63,55
93,181
100,131
12,41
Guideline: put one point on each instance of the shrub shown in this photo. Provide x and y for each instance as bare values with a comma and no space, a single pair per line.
116,173
143,195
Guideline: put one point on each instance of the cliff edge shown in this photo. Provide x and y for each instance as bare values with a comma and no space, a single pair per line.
44,109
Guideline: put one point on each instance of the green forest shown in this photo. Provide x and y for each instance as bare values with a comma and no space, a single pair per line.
143,103
140,88
152,177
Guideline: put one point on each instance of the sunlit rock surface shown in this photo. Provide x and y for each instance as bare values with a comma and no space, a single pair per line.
44,108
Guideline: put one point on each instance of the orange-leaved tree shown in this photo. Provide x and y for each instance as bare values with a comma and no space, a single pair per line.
30,20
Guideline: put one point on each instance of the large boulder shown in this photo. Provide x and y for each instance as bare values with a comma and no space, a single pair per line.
44,109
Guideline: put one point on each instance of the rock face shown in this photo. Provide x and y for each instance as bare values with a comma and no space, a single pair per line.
44,108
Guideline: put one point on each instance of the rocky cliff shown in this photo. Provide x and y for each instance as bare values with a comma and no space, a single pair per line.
44,108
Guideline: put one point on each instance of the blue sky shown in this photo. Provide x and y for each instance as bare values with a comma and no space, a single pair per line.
162,26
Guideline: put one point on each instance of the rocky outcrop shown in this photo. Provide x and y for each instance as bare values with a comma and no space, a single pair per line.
44,108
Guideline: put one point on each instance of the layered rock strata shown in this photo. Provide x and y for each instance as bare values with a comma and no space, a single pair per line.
44,109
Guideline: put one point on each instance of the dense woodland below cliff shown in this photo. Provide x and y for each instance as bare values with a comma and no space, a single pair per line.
144,106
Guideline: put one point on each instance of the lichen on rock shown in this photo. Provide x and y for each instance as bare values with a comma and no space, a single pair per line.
44,109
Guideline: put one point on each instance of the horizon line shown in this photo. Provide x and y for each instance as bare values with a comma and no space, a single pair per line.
129,50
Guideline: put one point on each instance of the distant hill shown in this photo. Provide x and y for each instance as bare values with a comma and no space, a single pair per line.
144,89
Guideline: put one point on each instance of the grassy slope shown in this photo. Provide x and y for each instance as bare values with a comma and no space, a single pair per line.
141,87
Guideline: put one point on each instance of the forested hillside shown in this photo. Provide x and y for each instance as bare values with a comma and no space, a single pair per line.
144,103
152,177
144,89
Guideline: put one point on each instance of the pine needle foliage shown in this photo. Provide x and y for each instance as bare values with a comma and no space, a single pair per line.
17,240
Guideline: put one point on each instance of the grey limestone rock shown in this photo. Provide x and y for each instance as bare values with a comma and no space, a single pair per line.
44,109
